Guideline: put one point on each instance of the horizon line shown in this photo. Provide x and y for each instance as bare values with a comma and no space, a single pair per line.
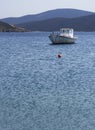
45,11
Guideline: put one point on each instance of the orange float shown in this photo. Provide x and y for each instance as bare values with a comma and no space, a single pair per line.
59,55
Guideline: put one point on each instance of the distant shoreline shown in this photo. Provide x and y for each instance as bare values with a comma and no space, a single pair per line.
52,20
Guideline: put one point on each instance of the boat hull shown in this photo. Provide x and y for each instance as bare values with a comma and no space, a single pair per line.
56,39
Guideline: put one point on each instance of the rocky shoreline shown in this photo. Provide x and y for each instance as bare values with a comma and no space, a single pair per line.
5,27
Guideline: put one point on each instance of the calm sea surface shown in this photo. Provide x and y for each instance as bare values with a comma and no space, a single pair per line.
38,90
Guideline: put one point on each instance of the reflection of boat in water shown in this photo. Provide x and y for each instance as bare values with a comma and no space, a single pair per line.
66,35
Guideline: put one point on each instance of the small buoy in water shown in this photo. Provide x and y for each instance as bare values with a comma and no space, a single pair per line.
59,55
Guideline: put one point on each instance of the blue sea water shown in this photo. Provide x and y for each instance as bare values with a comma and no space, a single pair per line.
38,90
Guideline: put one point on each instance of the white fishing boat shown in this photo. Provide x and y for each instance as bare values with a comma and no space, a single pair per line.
66,35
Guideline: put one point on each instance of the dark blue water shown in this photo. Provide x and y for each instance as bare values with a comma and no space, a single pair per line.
38,90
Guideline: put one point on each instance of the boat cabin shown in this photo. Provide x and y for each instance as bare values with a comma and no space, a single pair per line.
68,32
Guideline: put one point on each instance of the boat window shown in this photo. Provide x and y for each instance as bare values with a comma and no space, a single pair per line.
66,32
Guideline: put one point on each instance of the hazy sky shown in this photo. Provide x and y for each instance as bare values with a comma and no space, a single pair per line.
16,8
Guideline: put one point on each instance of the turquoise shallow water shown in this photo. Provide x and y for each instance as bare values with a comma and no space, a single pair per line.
38,90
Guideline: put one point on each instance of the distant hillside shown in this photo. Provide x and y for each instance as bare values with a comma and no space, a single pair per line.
84,23
65,13
5,27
